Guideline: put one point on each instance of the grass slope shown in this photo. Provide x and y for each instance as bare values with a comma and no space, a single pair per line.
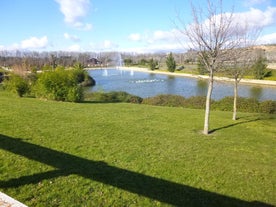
67,154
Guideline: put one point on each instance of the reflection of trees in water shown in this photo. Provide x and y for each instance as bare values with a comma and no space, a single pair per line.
201,87
256,92
171,84
171,77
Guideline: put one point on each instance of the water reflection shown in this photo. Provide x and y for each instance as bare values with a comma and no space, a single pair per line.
201,87
171,85
145,84
256,92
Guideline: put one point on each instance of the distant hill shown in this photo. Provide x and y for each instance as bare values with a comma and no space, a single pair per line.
270,53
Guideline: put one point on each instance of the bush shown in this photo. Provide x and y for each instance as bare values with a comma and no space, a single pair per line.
82,77
17,84
59,85
224,104
247,105
165,100
196,102
243,104
268,107
88,81
75,94
112,97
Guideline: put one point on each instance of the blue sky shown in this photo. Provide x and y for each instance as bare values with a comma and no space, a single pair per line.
112,25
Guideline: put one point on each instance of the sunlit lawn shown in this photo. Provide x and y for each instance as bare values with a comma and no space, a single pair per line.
68,154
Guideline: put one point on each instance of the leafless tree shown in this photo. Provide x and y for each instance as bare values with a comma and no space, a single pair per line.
242,60
214,34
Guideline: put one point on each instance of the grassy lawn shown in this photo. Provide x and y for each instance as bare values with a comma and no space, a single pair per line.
68,154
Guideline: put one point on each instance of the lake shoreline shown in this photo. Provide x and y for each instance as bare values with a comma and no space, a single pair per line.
223,79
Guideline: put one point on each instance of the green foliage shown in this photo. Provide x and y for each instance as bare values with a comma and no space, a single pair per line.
17,84
128,61
1,76
112,97
259,68
268,107
165,100
152,64
143,62
225,104
59,85
78,66
46,68
171,64
196,102
88,81
201,68
271,76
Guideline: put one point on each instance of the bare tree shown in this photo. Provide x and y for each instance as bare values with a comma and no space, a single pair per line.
209,35
242,60
242,55
214,34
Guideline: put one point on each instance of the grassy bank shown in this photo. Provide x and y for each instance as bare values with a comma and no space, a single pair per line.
68,154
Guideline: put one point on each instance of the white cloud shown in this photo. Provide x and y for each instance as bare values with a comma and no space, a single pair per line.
267,39
151,37
74,48
163,35
106,45
134,37
34,43
71,37
258,18
74,11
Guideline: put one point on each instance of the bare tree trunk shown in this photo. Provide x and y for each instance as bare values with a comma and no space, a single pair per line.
208,104
235,99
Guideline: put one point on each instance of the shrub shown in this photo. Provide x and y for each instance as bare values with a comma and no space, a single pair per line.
224,104
165,100
196,102
113,96
1,76
267,107
82,77
75,94
59,85
247,104
17,84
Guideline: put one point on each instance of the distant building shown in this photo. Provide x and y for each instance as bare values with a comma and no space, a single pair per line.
93,62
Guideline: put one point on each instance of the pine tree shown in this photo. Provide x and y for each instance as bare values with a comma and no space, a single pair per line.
171,64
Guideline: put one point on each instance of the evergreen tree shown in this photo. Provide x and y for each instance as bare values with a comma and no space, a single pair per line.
259,68
171,64
152,64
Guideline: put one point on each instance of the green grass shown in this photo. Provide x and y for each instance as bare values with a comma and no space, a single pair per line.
68,154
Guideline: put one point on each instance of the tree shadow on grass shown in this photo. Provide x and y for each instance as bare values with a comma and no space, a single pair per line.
154,188
232,125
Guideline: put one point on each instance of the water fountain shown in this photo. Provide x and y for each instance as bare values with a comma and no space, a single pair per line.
119,62
105,72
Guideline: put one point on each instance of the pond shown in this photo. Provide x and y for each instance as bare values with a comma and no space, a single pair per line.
146,84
